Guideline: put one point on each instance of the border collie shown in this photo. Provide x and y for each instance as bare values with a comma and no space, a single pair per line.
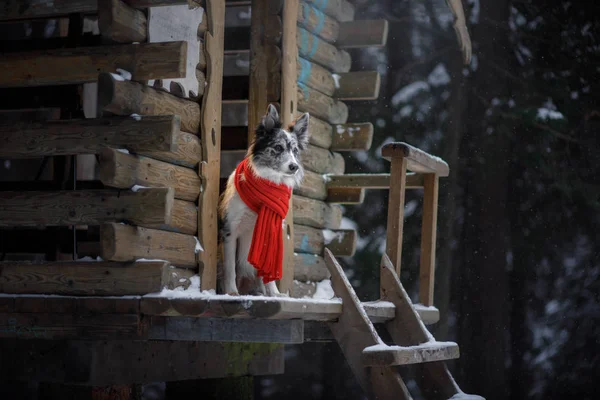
273,155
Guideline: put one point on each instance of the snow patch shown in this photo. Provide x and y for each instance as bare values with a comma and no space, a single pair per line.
124,151
330,235
126,75
135,188
88,258
137,117
405,94
324,290
546,114
336,80
198,247
439,76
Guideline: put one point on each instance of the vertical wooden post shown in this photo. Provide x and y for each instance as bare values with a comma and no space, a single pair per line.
288,110
395,220
428,238
257,93
211,144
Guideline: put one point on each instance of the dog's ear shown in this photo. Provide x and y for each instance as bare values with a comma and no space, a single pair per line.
300,129
271,120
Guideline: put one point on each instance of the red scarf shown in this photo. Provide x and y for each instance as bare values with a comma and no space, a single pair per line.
271,202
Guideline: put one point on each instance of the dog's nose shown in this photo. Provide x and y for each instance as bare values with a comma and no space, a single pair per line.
293,167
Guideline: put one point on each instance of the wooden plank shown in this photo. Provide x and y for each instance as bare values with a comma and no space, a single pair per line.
341,242
83,64
87,136
289,106
317,22
360,85
417,160
322,106
395,217
428,239
311,48
187,154
83,278
315,76
146,207
121,23
123,171
312,186
341,10
322,161
316,213
398,355
345,195
128,243
363,33
227,330
352,137
371,181
309,268
210,168
378,382
127,97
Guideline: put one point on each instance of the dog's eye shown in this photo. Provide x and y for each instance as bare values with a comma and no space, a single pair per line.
278,148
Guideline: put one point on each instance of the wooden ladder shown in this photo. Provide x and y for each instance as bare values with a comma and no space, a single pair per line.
372,361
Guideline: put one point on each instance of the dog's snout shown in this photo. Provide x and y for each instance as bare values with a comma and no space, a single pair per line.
293,167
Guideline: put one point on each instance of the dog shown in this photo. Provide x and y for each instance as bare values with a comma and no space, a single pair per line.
274,155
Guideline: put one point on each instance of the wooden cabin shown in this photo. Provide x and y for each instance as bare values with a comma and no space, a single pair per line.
120,119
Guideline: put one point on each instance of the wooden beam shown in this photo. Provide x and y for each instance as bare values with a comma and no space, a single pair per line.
345,195
315,76
322,161
372,181
121,23
146,207
210,168
88,278
398,355
313,186
417,160
322,106
316,213
187,154
87,136
317,22
83,64
360,85
352,137
341,10
127,97
395,217
123,171
311,48
365,33
428,239
341,242
126,243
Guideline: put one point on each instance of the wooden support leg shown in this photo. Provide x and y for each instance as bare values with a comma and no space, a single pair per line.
428,238
395,221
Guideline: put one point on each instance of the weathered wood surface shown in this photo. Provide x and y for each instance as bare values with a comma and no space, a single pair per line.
428,239
320,133
83,64
395,217
322,161
187,154
30,115
371,181
360,85
210,168
88,278
310,47
397,355
312,186
345,195
128,243
417,160
364,33
146,207
341,242
123,171
309,268
184,218
378,382
315,76
322,106
317,22
127,97
301,290
289,106
316,213
352,137
121,23
87,136
341,10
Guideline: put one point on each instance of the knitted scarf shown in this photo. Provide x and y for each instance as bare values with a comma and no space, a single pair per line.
271,202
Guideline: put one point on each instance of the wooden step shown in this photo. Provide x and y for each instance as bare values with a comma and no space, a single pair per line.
383,355
417,160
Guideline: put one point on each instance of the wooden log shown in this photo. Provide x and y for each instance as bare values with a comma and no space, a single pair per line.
322,106
187,154
127,97
315,76
341,242
321,133
202,60
184,218
202,27
352,137
201,77
312,186
365,33
345,195
128,243
316,213
360,85
322,161
310,47
81,65
309,268
81,278
120,170
417,160
146,207
317,22
121,23
341,10
87,136
371,181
